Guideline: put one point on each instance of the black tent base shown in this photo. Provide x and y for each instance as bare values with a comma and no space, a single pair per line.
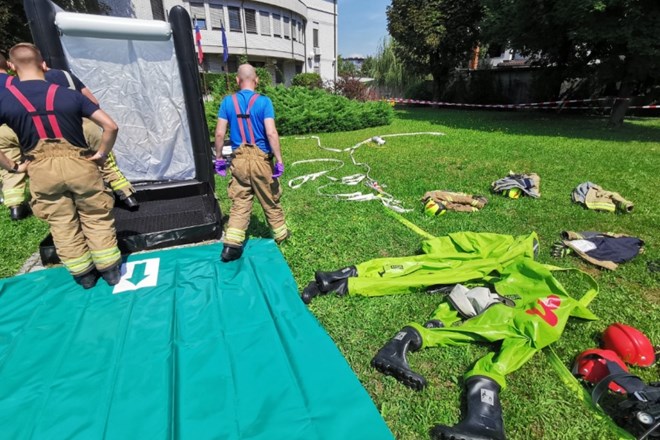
169,215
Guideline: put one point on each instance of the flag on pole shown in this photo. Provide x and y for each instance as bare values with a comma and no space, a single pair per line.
225,48
198,40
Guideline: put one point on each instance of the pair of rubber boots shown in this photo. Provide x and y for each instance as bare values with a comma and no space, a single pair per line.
326,282
111,276
484,411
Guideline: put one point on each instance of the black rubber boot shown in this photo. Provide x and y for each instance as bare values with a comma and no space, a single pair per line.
484,414
434,323
310,292
231,253
391,359
20,212
130,202
112,275
88,280
325,280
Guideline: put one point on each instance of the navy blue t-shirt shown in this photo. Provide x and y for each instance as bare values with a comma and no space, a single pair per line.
69,108
57,76
3,80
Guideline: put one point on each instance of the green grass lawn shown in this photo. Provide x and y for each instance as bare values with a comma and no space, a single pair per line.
479,147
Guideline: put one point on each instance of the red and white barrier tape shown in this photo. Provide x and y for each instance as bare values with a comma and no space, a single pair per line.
545,104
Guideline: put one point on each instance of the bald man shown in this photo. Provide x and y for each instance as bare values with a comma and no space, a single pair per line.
254,143
65,182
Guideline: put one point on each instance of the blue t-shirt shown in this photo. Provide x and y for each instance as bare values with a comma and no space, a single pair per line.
57,76
69,109
261,110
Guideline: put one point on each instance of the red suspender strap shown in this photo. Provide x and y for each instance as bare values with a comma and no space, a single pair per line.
250,104
36,119
9,81
50,104
238,117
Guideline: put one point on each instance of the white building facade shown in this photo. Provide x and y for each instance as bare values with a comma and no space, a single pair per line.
285,36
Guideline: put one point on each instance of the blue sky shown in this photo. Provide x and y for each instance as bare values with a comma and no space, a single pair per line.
362,25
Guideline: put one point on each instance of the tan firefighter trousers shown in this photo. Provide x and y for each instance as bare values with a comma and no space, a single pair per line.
111,173
68,192
252,175
13,184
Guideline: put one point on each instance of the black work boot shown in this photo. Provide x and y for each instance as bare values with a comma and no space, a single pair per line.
326,279
391,359
88,280
484,414
231,252
20,212
310,292
129,201
112,275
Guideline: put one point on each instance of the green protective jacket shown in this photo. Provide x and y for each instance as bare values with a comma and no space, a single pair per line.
542,305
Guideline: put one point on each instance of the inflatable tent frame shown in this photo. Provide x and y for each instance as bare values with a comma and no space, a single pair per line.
160,221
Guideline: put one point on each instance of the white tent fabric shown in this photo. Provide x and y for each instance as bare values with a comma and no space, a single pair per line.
132,69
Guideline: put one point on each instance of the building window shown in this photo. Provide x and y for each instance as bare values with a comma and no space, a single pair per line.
301,37
198,14
235,19
277,26
315,37
157,10
250,21
287,28
317,63
294,30
264,22
217,16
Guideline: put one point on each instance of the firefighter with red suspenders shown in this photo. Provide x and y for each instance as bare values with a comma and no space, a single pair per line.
13,184
65,182
254,142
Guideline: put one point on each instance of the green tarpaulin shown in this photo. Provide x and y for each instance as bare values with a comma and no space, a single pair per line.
185,347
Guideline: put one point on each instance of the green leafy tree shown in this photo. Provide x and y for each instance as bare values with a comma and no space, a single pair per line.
388,71
612,41
434,36
345,68
367,66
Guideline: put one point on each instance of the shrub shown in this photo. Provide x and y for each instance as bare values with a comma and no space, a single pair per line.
300,110
351,88
309,80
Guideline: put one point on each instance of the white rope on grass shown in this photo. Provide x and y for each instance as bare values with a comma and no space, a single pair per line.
381,195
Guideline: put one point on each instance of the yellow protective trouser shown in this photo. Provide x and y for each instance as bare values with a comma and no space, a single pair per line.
111,173
13,184
68,193
252,175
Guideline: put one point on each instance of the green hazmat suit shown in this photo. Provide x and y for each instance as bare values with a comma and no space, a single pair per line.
542,305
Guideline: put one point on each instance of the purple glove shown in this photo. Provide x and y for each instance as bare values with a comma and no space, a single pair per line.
279,170
221,167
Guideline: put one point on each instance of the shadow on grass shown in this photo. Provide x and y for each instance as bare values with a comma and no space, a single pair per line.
536,123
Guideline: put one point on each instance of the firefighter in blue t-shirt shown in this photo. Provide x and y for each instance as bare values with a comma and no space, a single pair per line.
254,143
65,182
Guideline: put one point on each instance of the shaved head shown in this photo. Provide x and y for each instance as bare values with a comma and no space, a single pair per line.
246,71
25,55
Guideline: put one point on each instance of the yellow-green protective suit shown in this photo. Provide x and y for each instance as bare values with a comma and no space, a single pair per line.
542,305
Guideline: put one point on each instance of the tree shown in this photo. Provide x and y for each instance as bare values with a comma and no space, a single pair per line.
345,68
367,66
612,41
388,70
13,22
434,36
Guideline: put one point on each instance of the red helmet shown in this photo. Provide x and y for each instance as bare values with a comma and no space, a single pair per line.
630,344
591,365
